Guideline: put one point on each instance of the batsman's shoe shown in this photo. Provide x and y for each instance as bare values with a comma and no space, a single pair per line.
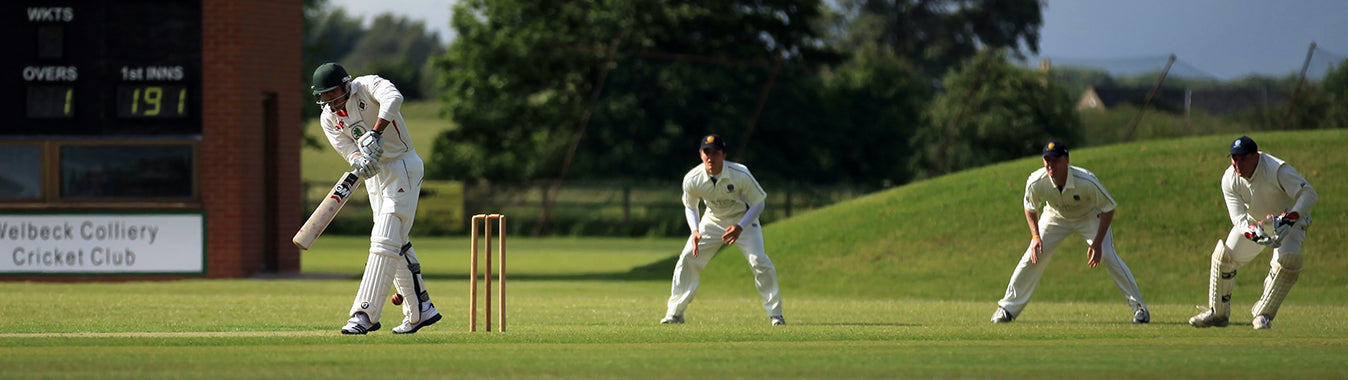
778,320
408,327
673,319
1002,316
1142,316
359,324
1208,319
1263,322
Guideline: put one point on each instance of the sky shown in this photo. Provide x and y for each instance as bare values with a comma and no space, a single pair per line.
1220,39
1224,38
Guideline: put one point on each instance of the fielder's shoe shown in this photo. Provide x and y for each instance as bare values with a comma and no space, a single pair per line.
1002,316
778,320
672,320
359,324
1208,319
1142,316
408,327
1263,322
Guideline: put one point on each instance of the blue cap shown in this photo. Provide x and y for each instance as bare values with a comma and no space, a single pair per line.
1244,145
1055,149
713,141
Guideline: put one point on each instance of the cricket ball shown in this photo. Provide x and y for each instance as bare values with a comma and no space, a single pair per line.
397,299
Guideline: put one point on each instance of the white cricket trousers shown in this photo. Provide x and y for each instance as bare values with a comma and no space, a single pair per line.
1244,250
393,199
687,272
1053,230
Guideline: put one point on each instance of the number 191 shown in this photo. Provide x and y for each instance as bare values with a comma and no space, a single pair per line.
154,97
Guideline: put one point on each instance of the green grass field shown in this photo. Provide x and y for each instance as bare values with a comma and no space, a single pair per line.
896,284
608,329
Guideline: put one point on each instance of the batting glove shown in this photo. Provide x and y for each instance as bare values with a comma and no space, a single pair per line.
372,145
364,166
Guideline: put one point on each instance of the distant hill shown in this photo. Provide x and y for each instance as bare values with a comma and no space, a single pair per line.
958,237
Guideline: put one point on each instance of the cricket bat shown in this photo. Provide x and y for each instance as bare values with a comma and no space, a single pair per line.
326,210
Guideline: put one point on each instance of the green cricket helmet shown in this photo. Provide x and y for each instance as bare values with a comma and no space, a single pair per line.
327,77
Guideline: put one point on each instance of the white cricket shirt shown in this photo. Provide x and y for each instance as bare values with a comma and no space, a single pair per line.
1273,188
1082,196
372,98
728,197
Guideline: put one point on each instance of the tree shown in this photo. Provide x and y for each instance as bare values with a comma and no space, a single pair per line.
1076,79
940,33
636,82
1264,81
328,36
876,105
399,50
1335,87
515,80
1308,106
992,111
393,47
331,32
315,50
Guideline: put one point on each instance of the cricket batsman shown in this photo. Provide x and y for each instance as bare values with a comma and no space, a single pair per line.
1262,192
362,121
734,201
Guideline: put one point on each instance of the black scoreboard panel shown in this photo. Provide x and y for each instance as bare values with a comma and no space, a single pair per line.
102,68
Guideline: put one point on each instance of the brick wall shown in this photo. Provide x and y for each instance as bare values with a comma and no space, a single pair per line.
250,48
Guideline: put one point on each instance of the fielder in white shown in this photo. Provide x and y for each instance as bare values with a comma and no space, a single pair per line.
362,121
734,201
1077,204
1257,187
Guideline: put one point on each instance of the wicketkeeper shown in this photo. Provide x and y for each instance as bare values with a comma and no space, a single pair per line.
1262,194
362,121
1077,203
734,201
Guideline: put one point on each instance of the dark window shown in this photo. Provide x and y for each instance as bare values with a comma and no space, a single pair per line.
91,172
23,178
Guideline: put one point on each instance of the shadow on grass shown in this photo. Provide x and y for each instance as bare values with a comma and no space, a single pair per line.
660,270
857,324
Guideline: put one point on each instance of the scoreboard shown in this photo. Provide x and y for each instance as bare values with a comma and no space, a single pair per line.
102,68
107,134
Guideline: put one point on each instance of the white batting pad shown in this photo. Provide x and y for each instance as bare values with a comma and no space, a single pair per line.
374,285
1223,280
1281,277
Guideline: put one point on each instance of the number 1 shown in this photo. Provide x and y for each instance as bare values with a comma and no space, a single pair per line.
182,100
70,92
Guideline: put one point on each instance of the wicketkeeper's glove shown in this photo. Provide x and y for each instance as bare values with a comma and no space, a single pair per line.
1255,232
1283,223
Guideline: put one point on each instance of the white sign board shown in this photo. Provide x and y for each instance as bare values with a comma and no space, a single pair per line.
102,243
